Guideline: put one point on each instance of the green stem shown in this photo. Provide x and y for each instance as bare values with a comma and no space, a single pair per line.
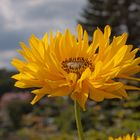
78,121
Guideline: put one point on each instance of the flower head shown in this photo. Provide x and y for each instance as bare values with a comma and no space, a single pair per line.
127,137
64,64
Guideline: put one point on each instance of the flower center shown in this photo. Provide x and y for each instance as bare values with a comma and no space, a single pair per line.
76,65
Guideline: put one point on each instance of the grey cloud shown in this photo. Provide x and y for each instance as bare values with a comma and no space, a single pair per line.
10,40
33,17
55,10
6,57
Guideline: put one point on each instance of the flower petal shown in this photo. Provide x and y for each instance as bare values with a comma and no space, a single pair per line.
99,95
62,91
128,87
80,97
37,98
107,31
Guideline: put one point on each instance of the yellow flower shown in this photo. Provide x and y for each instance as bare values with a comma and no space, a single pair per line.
63,65
127,137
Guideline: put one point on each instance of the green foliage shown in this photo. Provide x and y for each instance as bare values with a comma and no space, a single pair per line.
100,120
66,120
16,109
62,136
53,118
6,83
26,134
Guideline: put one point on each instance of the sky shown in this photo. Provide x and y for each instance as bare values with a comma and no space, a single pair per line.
21,18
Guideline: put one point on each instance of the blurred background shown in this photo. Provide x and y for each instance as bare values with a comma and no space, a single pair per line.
48,119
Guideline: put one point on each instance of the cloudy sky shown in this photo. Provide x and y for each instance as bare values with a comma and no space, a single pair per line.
21,18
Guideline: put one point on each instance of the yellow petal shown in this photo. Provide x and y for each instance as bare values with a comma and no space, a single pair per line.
37,98
39,94
97,69
80,32
120,55
131,78
71,77
80,97
133,137
121,92
121,40
110,138
99,95
85,45
95,42
128,137
21,85
45,39
112,86
43,90
107,31
27,53
18,63
86,74
128,87
62,91
96,95
22,76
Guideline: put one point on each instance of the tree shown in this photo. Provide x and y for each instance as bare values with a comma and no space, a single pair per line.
7,83
122,15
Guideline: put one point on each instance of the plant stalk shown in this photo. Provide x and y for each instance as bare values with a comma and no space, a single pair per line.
78,121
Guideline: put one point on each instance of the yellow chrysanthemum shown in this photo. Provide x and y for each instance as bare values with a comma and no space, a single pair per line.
127,137
65,65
